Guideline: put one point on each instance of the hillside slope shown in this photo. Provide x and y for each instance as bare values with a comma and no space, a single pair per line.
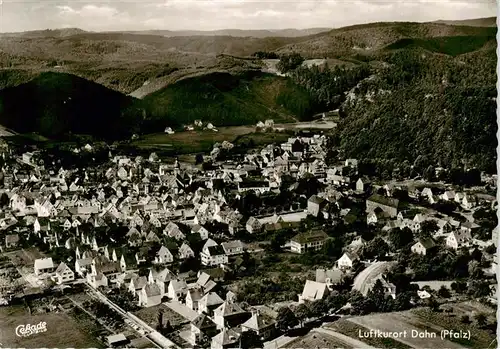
368,38
288,33
476,22
437,108
227,99
56,104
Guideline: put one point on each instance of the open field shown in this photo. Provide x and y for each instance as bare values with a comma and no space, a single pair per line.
25,257
420,320
202,141
62,330
351,329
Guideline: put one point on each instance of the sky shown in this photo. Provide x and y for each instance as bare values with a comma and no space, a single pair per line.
22,15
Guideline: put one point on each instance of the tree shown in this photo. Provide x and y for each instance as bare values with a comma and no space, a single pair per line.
481,320
428,228
319,308
302,312
465,319
429,174
289,62
199,159
400,237
444,292
286,319
4,200
375,248
250,340
458,286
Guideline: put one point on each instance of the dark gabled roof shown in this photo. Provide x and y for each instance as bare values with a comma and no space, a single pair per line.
316,199
310,236
216,250
203,322
427,243
383,200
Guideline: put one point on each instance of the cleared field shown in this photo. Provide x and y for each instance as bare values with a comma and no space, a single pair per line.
62,330
416,323
25,257
434,285
351,329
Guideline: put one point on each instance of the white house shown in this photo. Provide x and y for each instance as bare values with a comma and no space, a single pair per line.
346,261
313,291
150,295
64,274
457,239
213,255
423,246
163,256
43,266
177,289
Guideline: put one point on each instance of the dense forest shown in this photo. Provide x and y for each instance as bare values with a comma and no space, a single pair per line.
416,104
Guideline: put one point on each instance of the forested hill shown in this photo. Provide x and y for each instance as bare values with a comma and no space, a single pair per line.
436,107
414,104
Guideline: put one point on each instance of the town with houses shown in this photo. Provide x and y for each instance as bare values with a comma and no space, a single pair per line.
239,249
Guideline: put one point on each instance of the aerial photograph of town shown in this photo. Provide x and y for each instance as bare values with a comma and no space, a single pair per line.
248,174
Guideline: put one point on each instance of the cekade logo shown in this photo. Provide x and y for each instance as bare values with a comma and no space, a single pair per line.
29,330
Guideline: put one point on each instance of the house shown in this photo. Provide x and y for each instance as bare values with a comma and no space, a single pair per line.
163,256
423,294
43,266
253,225
314,205
226,339
308,241
11,240
150,295
469,201
193,297
423,246
41,224
198,229
261,325
233,247
202,326
137,284
448,195
177,289
458,239
347,260
185,252
313,291
387,205
213,255
362,185
83,266
64,274
494,235
229,315
209,302
469,227
117,341
330,277
97,280
351,163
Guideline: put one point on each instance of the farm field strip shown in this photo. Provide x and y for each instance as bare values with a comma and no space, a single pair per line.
399,322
